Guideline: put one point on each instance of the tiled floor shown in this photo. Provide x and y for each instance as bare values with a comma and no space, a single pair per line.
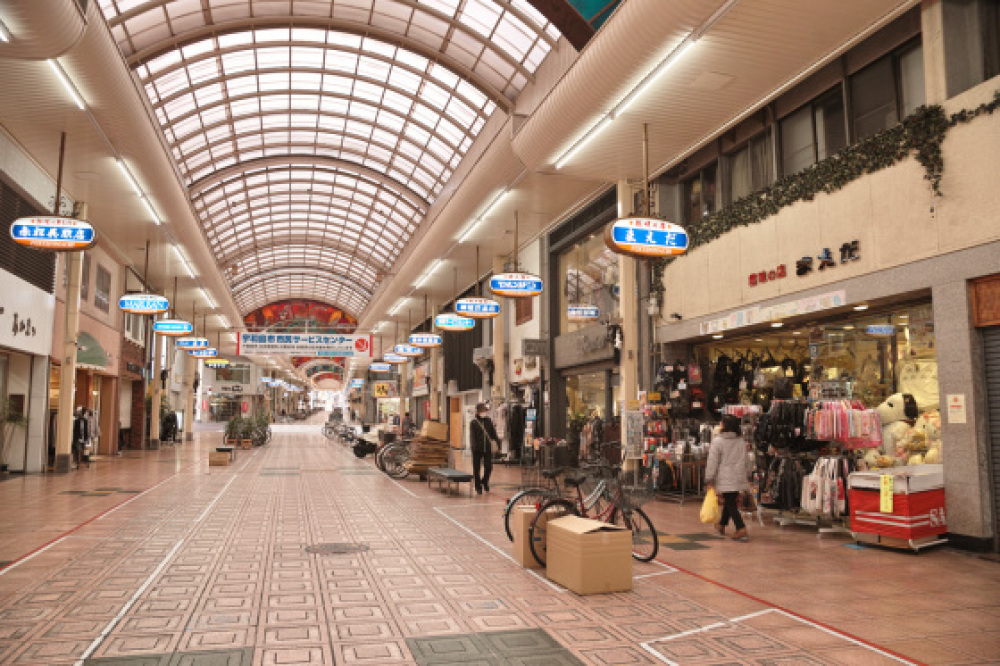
210,566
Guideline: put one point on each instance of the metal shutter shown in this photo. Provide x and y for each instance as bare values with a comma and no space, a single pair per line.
32,266
991,358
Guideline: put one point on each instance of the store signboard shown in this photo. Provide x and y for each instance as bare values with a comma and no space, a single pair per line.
516,285
63,234
881,330
190,344
216,363
407,350
535,347
27,316
380,367
172,327
337,345
581,313
395,359
421,375
143,304
425,340
477,308
452,322
385,390
764,314
646,237
204,353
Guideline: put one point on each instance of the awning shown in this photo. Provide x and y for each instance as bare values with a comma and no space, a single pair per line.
89,352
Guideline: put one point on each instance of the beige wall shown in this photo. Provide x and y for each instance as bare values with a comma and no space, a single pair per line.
892,213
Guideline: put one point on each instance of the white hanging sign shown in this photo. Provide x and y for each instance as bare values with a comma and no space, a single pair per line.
143,304
305,344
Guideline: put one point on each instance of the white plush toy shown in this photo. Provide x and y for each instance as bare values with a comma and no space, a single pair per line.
929,423
897,415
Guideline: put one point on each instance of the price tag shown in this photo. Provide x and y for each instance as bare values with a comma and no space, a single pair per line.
682,385
885,498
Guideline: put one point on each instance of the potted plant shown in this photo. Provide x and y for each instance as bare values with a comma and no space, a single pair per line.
10,421
574,426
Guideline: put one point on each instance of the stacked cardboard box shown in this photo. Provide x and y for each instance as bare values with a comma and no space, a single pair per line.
429,448
588,556
520,527
218,458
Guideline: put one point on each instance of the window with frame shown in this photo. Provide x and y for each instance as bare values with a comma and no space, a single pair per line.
102,292
523,310
886,91
85,280
700,194
813,132
750,169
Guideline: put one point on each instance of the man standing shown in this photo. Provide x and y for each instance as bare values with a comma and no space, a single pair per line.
482,433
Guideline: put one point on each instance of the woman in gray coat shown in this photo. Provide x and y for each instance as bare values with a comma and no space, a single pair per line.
727,472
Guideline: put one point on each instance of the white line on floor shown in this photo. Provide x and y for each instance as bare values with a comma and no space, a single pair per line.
887,655
128,606
557,588
34,554
213,502
404,489
658,573
129,501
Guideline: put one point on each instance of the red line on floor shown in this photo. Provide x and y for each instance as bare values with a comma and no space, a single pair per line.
790,612
85,523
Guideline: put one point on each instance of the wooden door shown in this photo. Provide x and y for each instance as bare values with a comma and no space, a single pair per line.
455,422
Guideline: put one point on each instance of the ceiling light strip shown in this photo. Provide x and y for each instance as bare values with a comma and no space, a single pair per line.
183,260
5,35
138,190
208,297
489,210
67,84
427,275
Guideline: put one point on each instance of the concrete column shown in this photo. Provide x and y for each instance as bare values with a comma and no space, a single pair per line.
966,445
157,391
67,382
500,338
628,299
951,35
190,365
435,377
38,417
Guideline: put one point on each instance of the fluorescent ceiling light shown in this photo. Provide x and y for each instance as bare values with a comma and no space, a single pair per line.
183,260
67,84
777,324
129,177
651,78
427,275
222,321
208,298
587,138
861,307
492,206
396,308
149,209
4,33
717,336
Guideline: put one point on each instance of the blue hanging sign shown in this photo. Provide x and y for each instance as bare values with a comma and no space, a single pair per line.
580,313
516,285
477,308
143,304
357,382
190,344
172,327
407,350
425,340
453,322
881,330
53,233
204,353
395,359
646,237
217,363
380,367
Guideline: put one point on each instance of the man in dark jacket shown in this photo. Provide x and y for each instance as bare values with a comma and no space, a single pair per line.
482,432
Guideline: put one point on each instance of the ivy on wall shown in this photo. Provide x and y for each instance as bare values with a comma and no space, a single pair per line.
921,134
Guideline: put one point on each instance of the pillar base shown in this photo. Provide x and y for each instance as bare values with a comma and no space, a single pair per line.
189,437
63,463
154,444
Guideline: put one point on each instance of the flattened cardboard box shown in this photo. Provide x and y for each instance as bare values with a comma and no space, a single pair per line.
588,556
520,525
434,430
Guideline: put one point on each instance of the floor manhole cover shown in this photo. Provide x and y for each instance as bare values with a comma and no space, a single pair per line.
337,548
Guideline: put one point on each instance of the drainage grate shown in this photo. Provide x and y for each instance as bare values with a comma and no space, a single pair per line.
337,548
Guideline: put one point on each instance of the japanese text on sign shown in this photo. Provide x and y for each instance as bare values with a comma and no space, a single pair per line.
305,344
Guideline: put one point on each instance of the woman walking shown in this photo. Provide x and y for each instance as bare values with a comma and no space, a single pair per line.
727,473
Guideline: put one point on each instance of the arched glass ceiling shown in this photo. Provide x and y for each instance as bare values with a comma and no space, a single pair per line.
329,127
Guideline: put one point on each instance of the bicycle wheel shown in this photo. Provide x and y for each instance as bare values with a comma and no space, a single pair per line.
394,462
552,509
527,497
645,542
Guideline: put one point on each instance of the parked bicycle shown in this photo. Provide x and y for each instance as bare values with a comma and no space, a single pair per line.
535,497
392,458
618,511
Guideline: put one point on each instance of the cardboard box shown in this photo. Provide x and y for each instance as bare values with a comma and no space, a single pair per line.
434,430
218,459
520,524
588,556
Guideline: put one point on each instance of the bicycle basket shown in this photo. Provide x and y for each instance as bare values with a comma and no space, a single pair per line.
635,492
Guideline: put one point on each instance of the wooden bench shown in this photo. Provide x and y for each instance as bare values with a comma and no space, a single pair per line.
231,450
446,475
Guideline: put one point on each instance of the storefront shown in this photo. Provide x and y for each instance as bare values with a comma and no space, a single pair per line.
420,409
131,396
229,392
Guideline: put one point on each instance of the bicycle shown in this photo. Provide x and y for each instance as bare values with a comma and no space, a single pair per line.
539,495
392,458
618,511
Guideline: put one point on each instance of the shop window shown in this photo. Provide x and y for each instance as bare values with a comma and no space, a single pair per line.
523,310
700,195
990,22
102,292
911,80
237,373
85,280
588,275
812,133
750,169
873,99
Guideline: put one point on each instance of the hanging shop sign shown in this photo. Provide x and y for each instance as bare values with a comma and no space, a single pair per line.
425,340
189,344
53,233
646,237
516,285
305,344
451,322
581,313
408,350
881,330
477,308
143,304
380,367
385,390
204,353
216,363
172,327
394,359
763,277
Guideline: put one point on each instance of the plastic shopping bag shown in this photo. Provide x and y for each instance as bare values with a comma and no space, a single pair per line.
710,508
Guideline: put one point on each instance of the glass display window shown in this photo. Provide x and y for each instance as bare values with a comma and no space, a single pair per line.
588,277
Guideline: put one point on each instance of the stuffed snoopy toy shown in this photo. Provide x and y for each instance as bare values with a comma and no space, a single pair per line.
897,414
